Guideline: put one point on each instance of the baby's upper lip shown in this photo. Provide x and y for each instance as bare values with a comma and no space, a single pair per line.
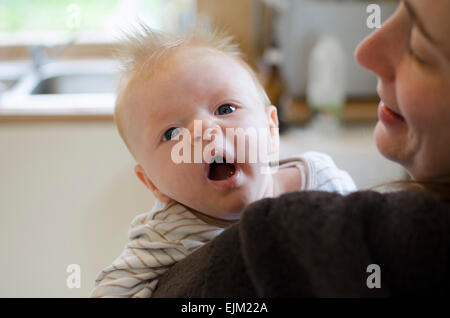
219,152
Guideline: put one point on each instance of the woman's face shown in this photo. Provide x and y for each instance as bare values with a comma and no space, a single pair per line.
410,55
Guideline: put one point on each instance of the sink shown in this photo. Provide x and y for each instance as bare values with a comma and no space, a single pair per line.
6,84
72,77
77,84
62,86
11,72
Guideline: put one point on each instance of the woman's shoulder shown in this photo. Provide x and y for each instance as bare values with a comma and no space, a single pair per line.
338,236
309,244
371,209
332,201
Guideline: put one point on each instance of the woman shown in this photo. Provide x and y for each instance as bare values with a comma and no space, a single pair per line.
365,244
411,57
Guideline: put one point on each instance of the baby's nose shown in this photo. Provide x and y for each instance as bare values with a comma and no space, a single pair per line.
210,135
203,129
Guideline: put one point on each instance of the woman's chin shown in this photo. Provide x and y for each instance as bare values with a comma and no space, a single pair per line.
389,145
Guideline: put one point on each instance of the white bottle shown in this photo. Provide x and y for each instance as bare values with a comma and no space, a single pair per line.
326,87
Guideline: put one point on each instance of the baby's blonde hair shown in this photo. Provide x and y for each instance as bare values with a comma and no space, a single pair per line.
143,48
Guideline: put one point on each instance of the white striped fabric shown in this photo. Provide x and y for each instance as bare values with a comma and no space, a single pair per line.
169,232
157,240
319,172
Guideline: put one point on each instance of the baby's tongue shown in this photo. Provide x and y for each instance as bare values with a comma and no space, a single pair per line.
221,171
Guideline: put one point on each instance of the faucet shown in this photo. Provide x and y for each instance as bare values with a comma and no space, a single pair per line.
40,56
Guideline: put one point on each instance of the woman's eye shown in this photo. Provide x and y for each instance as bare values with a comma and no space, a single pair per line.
416,46
170,133
225,109
416,56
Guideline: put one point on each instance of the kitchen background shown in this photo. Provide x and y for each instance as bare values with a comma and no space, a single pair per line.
67,187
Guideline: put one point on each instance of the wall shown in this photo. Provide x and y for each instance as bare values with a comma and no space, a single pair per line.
67,195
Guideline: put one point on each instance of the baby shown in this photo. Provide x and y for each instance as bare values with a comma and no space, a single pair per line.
186,93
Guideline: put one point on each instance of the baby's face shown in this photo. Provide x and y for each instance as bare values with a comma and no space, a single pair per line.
200,85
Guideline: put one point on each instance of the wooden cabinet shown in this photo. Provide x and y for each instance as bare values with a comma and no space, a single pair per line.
236,17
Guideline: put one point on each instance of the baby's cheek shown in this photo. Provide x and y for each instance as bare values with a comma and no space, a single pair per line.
178,173
260,141
165,172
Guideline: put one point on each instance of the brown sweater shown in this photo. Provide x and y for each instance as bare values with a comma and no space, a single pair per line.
318,244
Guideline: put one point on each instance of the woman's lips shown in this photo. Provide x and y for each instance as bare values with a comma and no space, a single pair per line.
387,116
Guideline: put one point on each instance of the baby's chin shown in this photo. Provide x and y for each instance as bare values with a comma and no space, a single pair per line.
227,216
229,212
226,210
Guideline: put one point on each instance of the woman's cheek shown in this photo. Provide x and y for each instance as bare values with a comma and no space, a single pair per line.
415,95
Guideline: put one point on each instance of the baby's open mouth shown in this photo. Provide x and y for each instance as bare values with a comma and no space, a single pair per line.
219,169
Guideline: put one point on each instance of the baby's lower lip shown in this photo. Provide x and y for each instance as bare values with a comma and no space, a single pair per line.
228,183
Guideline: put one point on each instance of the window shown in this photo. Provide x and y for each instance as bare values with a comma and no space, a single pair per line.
33,34
99,20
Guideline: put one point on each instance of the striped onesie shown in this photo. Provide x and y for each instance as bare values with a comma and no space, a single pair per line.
169,232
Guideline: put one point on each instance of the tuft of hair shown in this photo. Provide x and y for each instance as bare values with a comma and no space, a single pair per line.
141,48
142,45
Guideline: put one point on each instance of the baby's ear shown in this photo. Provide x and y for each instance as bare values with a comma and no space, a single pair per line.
149,184
272,117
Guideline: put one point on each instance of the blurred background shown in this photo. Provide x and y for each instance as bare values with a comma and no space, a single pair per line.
67,188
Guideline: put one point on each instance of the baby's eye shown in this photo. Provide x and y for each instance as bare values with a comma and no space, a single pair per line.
225,109
170,133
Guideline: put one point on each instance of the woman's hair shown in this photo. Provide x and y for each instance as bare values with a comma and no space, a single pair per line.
439,188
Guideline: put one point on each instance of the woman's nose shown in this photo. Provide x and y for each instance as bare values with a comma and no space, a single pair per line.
380,51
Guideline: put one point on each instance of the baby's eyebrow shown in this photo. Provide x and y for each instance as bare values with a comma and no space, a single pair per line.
159,121
159,114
